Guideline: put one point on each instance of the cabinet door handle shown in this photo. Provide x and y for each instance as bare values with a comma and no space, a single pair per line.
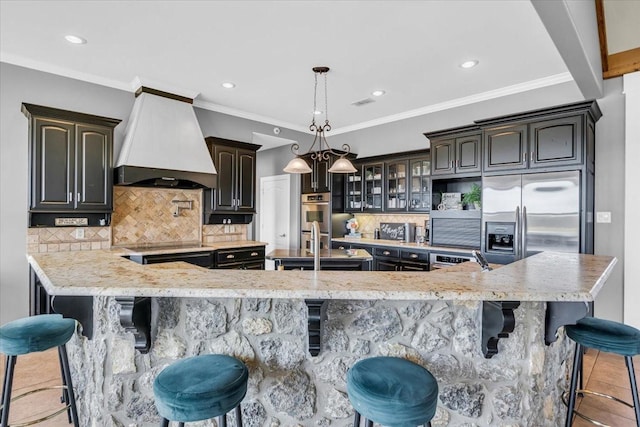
70,196
531,157
457,163
254,253
340,247
524,157
282,235
451,164
230,256
386,253
78,197
413,256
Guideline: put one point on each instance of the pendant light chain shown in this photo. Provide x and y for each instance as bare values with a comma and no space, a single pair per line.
326,102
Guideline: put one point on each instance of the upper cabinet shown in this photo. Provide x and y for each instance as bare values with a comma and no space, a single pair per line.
235,164
505,148
553,143
71,161
364,188
455,153
318,181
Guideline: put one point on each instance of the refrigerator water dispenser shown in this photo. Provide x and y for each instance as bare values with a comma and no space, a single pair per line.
500,237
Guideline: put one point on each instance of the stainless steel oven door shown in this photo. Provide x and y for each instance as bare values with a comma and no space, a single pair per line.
315,207
305,240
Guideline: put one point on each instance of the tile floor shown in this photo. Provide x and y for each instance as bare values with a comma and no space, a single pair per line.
603,372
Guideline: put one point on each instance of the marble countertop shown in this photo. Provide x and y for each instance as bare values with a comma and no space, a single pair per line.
186,247
547,276
401,245
325,254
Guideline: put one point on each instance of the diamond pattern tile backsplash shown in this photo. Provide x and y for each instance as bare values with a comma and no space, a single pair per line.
146,215
63,239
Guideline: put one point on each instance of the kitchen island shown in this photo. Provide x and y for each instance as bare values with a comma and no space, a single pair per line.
330,259
434,319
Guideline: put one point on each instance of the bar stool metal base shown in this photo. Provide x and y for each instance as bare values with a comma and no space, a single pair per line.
565,400
46,417
368,423
569,397
68,395
221,420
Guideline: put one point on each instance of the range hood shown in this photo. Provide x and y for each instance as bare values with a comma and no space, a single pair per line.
164,145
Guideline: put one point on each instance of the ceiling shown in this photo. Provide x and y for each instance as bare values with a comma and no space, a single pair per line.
410,49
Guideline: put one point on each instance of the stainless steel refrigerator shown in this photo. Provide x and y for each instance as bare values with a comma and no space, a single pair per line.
526,214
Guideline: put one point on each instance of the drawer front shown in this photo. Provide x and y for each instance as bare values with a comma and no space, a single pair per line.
386,252
417,256
239,255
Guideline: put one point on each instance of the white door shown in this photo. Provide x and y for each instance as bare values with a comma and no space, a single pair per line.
275,208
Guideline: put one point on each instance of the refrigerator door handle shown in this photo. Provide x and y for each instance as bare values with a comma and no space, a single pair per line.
517,234
524,232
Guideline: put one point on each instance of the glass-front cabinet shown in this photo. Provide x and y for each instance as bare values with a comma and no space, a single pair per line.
364,189
372,188
420,185
396,189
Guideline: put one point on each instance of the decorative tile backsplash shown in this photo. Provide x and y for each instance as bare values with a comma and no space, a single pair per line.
147,215
63,239
369,222
223,233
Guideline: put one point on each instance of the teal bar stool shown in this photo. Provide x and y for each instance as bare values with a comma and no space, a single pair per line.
200,388
29,335
392,391
610,337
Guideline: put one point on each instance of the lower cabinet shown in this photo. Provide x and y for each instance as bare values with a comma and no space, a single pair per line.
393,259
240,258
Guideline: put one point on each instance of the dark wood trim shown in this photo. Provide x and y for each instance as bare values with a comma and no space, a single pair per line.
32,110
382,158
231,143
602,33
144,89
459,131
590,106
623,63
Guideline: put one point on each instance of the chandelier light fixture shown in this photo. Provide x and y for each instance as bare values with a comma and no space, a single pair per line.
322,151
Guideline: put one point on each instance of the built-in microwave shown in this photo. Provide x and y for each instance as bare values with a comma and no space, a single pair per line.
316,207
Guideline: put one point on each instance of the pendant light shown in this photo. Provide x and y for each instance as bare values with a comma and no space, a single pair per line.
323,151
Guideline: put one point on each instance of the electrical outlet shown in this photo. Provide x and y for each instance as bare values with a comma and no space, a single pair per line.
603,217
79,233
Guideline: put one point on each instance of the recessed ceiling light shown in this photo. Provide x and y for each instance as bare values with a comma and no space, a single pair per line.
228,85
378,93
75,39
469,64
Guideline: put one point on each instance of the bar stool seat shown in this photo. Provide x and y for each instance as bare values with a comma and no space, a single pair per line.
33,334
392,391
200,388
610,337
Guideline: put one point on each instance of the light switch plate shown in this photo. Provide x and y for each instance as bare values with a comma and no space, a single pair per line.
79,233
603,217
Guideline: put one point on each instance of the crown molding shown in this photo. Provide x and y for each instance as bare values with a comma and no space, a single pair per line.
63,71
206,105
460,102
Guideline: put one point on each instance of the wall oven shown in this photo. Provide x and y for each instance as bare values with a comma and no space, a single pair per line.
316,207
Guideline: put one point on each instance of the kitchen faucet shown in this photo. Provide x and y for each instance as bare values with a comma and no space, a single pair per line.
315,245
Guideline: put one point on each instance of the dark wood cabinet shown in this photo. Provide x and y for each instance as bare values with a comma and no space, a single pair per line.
71,161
393,259
364,188
505,148
245,258
235,164
455,153
318,181
556,142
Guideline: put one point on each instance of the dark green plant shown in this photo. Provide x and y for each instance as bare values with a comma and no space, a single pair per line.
473,196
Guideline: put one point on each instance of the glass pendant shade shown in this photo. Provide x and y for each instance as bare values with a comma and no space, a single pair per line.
297,165
342,165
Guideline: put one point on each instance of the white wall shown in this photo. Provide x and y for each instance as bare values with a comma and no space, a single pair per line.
632,200
609,197
23,85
